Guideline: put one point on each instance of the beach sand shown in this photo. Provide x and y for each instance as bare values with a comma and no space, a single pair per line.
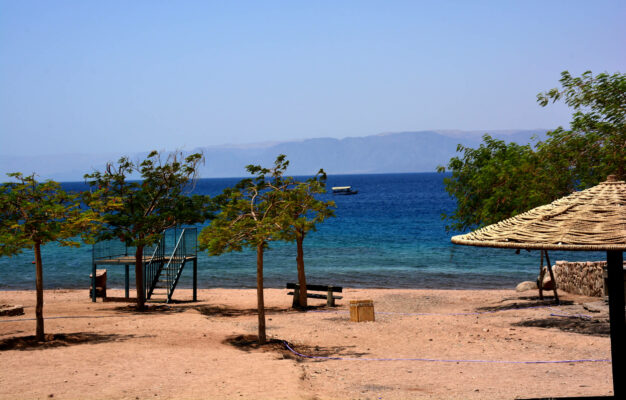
203,350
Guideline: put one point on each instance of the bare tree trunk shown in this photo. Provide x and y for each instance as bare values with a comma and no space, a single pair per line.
141,293
300,264
259,292
39,286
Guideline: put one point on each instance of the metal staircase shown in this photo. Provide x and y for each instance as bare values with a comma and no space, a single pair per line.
163,269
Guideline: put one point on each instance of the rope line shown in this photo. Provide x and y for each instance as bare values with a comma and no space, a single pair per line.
71,316
291,349
559,313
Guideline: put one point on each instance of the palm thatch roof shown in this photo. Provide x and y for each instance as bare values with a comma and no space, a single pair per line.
589,220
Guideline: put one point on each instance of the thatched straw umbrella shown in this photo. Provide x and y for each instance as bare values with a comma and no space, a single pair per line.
590,220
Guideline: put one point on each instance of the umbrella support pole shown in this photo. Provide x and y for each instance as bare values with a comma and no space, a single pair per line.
540,280
615,267
556,295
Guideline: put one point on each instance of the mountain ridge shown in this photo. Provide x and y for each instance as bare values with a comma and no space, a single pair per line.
408,151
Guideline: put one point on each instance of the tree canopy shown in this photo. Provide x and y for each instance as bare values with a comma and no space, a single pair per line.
34,213
249,217
138,211
302,211
500,180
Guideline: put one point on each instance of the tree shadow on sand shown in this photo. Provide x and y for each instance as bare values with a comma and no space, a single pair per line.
592,327
250,343
530,302
224,311
152,309
24,343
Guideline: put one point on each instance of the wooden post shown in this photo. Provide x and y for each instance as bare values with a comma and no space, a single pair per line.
259,292
556,295
540,280
296,297
615,267
330,299
93,282
195,279
126,282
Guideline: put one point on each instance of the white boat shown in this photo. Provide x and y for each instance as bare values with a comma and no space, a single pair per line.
344,190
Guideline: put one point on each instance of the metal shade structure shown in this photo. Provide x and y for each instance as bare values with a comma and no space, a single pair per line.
589,220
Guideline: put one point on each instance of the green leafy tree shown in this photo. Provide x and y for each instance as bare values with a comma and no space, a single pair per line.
249,218
302,211
492,182
499,180
35,213
595,145
137,212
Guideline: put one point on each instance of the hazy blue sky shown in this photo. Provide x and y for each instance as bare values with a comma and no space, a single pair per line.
121,76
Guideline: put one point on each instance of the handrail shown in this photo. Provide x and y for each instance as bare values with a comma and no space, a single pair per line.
163,271
172,273
151,271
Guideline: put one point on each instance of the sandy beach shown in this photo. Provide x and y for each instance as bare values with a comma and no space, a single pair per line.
205,349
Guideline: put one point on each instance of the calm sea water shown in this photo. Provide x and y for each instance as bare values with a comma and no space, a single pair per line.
388,235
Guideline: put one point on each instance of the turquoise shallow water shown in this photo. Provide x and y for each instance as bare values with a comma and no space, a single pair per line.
388,235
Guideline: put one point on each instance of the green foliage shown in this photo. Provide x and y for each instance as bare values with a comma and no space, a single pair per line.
595,145
34,212
488,182
249,217
499,180
263,209
266,208
302,210
249,212
137,212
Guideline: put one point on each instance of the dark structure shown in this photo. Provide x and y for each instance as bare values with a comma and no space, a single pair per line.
163,263
589,220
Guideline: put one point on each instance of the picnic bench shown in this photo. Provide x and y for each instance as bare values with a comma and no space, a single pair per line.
329,296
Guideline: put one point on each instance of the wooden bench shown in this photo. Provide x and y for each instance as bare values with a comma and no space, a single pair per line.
329,296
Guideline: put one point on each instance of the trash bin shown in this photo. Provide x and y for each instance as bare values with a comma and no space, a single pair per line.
361,310
101,283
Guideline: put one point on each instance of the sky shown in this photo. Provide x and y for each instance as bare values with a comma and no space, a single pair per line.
125,76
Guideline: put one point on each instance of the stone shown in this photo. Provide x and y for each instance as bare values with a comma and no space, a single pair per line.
597,307
10,311
527,285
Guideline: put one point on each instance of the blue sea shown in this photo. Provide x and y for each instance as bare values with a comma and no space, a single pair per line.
389,235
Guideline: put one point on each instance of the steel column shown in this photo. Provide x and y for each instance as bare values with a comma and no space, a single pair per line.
93,282
126,282
615,267
195,279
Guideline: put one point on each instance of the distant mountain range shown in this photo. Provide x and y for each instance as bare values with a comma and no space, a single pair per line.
419,151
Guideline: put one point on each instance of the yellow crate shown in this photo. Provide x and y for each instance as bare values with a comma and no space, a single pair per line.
361,310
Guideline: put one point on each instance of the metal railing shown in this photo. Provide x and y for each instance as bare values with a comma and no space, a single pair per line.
165,271
163,262
153,268
175,264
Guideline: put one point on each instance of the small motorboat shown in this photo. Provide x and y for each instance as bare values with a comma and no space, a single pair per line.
344,190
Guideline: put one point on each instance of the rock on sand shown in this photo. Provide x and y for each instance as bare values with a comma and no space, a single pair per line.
526,285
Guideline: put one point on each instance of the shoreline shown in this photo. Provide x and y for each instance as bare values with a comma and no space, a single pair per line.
205,349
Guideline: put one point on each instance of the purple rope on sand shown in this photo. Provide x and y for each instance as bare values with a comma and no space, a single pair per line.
469,313
441,360
568,315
